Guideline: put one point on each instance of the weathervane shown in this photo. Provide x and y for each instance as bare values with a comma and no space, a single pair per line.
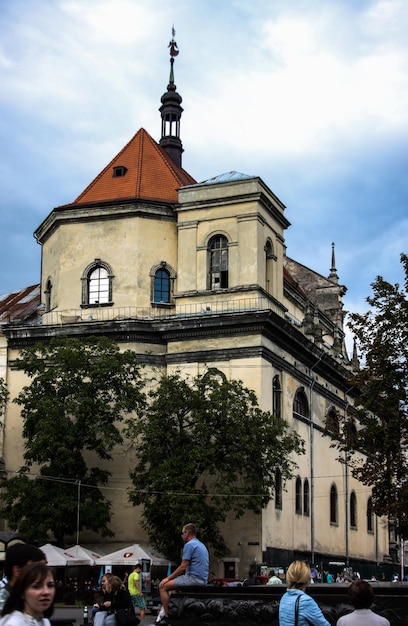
173,45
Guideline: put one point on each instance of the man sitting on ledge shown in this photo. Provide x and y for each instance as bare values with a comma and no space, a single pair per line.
193,569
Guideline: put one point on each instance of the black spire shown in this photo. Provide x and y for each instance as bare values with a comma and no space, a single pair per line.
171,111
333,272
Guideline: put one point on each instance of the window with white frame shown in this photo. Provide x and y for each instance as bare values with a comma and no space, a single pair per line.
97,284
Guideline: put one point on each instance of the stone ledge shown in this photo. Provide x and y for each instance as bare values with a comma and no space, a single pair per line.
251,606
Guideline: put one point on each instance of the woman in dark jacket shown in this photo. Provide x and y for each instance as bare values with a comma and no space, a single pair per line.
104,602
119,599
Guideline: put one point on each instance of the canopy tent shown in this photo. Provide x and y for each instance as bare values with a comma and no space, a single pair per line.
79,552
57,557
132,555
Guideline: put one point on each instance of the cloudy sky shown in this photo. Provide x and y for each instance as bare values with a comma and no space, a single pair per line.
310,95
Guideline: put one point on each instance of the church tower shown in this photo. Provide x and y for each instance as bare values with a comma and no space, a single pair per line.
193,276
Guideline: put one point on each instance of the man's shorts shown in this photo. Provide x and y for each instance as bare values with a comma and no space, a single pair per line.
138,601
185,579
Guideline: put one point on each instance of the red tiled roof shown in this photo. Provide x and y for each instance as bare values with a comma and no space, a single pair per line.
151,175
19,305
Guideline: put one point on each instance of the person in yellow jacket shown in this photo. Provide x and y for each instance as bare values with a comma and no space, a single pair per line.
135,590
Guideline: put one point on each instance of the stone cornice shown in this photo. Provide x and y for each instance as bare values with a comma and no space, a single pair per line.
305,359
102,211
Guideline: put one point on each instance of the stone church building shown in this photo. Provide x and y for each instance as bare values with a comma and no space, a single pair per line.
192,275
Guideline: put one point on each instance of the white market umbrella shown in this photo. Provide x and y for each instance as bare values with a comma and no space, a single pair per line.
79,553
132,555
55,556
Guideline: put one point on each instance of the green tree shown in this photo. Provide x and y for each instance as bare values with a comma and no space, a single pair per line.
381,408
205,449
4,395
79,393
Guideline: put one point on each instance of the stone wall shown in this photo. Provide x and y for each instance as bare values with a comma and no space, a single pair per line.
248,606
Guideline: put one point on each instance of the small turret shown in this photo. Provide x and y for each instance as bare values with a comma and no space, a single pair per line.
171,111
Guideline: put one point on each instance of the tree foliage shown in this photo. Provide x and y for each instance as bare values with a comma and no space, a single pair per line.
4,395
381,411
205,449
79,393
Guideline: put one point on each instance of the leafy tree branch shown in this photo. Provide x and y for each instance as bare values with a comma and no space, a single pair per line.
205,449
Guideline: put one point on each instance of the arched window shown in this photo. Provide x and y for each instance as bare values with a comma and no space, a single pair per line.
161,286
269,257
353,510
162,278
370,515
276,397
332,421
350,431
300,404
214,374
333,505
218,262
306,498
278,489
298,496
48,295
97,284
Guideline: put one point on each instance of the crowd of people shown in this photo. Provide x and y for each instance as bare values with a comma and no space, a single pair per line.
28,591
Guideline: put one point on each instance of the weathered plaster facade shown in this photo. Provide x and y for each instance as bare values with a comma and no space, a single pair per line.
262,318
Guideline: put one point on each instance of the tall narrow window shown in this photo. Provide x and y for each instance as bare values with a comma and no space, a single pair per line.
333,505
48,294
332,421
370,515
218,262
162,279
268,266
278,489
300,404
298,497
97,284
353,510
162,286
276,397
350,431
306,498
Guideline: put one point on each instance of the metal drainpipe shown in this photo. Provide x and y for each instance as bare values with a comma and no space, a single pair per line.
346,480
311,457
376,542
346,503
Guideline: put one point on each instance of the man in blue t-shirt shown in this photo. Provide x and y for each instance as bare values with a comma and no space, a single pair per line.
193,569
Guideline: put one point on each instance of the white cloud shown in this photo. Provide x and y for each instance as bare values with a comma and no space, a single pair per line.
307,91
311,96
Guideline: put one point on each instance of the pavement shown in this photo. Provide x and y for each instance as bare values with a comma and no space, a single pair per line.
76,614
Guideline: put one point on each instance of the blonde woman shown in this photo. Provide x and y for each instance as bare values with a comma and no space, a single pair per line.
296,608
105,601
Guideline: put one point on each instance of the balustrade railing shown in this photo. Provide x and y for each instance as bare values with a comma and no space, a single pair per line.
154,312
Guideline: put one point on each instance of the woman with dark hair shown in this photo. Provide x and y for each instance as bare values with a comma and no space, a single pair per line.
296,608
361,596
31,599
